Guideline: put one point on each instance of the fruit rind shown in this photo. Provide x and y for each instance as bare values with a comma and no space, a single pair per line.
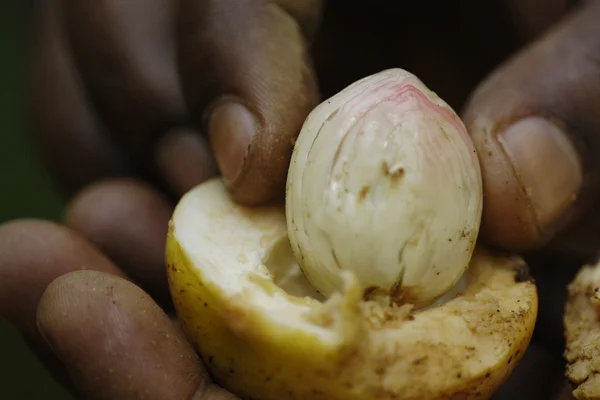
582,333
464,348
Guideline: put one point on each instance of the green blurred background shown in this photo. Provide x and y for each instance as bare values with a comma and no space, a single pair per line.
25,192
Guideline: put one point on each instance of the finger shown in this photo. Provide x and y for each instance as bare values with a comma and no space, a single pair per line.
117,343
539,376
536,126
67,132
32,254
245,67
125,51
127,220
184,160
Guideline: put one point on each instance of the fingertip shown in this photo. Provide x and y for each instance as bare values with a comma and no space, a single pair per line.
231,127
532,177
251,159
52,299
184,159
115,341
257,83
80,296
507,220
128,221
546,164
535,124
32,254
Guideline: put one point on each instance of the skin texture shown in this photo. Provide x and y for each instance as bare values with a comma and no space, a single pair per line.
540,207
122,113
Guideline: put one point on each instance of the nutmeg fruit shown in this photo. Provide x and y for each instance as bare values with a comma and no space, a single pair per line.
323,298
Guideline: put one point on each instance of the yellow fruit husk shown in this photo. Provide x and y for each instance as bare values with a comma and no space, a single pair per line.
461,349
582,333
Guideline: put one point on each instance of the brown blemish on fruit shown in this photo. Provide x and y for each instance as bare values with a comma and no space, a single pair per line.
368,293
420,360
362,195
523,274
395,174
335,259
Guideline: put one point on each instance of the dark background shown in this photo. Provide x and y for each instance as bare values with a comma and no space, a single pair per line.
25,192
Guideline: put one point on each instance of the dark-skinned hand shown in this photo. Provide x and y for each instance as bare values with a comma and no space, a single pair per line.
132,103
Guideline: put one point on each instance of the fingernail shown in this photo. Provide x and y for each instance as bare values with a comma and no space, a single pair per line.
546,165
184,159
231,127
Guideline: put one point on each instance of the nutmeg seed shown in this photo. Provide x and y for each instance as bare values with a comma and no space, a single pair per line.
384,183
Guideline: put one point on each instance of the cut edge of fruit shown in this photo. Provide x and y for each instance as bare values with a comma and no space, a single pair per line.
229,247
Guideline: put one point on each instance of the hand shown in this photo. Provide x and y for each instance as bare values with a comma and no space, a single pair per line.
97,332
135,89
168,90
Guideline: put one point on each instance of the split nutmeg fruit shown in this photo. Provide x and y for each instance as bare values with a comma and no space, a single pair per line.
368,283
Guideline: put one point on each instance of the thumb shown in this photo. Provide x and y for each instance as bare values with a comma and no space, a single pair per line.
246,72
536,125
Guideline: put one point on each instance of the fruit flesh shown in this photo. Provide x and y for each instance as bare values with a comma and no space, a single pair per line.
263,343
582,328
